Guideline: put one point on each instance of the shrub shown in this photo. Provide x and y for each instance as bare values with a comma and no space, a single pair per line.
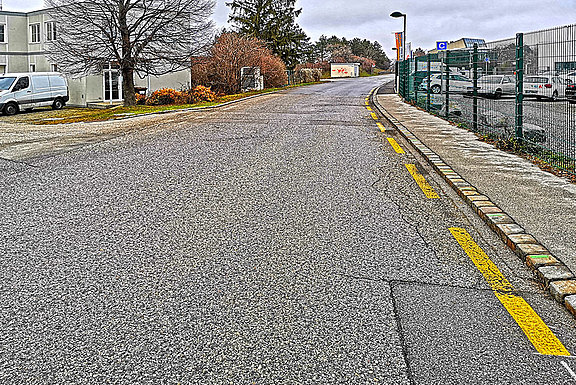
203,94
140,99
165,96
274,71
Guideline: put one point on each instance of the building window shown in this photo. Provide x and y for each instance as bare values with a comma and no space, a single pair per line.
2,33
35,33
50,31
2,68
54,67
32,67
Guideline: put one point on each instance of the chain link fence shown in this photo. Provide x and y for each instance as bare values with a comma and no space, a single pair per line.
520,91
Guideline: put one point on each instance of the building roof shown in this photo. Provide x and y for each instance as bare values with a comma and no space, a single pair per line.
470,42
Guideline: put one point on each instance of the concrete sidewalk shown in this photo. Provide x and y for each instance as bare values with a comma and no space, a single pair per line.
542,203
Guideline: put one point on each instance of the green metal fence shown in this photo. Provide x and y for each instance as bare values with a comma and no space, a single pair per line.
520,92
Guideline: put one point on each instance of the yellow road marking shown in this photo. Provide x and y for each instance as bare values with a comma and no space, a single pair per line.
531,324
381,127
368,108
367,102
424,185
395,145
374,116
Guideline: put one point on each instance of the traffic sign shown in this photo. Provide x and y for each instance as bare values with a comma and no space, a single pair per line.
441,45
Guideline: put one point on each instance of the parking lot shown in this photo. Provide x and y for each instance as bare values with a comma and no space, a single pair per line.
550,124
557,120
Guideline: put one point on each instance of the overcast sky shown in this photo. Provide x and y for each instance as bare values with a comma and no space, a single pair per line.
428,21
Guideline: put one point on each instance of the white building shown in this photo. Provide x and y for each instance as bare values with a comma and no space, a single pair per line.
23,38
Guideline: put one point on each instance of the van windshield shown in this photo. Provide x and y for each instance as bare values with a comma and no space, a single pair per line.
6,83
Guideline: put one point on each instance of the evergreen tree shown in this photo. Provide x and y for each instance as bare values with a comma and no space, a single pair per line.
273,21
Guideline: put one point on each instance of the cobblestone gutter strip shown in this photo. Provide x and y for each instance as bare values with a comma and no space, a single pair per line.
551,272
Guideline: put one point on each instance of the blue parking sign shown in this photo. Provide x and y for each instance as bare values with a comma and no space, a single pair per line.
441,45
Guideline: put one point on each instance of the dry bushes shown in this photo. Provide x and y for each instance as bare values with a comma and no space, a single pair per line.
170,96
221,69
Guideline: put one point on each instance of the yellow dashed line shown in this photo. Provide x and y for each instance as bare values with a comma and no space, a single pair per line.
424,185
395,145
531,324
381,127
367,102
368,108
374,116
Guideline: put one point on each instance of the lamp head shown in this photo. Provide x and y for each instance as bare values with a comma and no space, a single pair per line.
397,14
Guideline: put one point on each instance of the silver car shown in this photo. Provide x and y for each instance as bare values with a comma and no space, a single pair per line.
495,85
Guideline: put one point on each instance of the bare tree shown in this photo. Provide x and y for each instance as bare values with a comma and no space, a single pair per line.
144,36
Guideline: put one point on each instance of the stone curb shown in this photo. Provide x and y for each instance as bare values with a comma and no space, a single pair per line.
550,271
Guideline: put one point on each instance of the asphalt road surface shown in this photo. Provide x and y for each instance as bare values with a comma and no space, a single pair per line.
281,240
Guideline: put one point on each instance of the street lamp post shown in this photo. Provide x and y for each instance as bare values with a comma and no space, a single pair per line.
396,15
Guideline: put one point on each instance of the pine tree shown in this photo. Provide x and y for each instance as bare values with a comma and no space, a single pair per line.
273,21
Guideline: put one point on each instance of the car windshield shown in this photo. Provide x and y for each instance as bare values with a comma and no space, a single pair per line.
535,79
490,79
6,83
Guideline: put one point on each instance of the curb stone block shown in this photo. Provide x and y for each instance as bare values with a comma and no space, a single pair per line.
483,203
561,289
524,249
508,229
513,240
499,219
570,302
489,210
470,193
554,273
522,238
478,198
536,261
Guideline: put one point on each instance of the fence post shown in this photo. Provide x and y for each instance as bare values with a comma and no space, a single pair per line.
428,84
406,80
415,80
519,84
475,87
447,83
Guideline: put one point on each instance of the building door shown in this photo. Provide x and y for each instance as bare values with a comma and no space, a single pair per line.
112,83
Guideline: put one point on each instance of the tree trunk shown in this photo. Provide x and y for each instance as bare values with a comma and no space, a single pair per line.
128,87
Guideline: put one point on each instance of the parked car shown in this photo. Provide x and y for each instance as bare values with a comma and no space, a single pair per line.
420,76
545,86
458,83
570,91
495,85
24,91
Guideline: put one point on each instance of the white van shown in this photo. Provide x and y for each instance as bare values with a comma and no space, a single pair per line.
24,91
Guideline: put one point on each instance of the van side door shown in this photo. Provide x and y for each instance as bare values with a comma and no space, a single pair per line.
42,92
23,92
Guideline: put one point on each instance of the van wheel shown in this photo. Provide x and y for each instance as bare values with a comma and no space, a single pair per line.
11,109
498,94
58,104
